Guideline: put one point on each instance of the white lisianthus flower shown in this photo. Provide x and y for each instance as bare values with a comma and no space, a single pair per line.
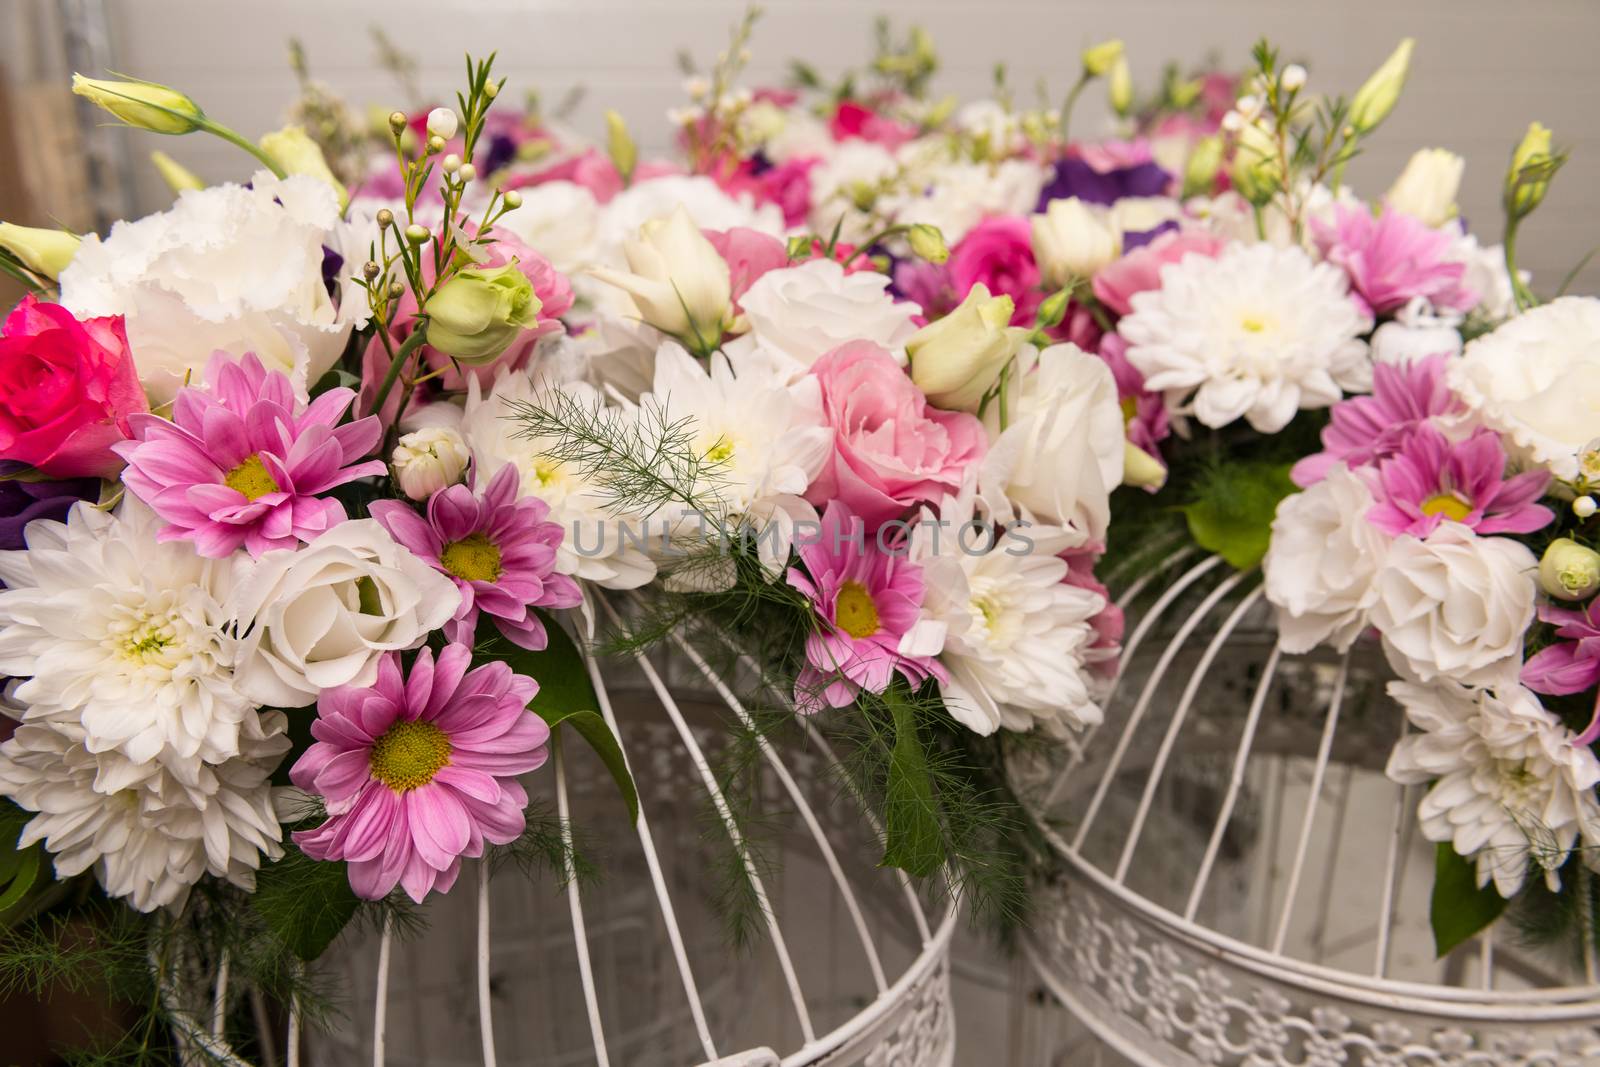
766,441
807,311
323,615
148,836
226,268
1073,239
1013,635
676,279
1259,332
593,548
1417,331
1510,788
1456,605
124,637
1062,453
560,221
1537,380
706,204
1428,185
1323,560
956,360
427,460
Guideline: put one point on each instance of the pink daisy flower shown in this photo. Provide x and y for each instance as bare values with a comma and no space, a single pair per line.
1393,257
418,771
1363,430
1569,666
1432,479
499,550
869,603
243,463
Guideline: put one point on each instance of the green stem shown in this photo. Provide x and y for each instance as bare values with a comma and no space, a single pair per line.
1522,294
1069,103
882,235
1005,387
411,344
243,142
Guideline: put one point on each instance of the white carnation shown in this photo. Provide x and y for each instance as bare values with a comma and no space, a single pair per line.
227,268
323,615
1322,563
1509,788
805,312
1537,380
1259,332
1456,605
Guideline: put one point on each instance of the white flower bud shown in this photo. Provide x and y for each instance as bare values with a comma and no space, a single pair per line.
1584,506
451,163
442,122
1073,240
468,172
1569,571
1294,78
428,460
1427,187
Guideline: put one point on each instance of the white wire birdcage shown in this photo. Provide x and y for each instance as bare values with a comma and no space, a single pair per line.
1238,882
849,965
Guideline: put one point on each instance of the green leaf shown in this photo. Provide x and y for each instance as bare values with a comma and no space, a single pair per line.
305,902
1232,515
566,697
19,868
1460,909
912,840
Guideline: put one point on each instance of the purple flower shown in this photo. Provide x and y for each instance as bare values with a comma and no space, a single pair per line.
1392,258
867,602
499,550
243,463
1432,479
1569,666
1076,177
1365,429
21,502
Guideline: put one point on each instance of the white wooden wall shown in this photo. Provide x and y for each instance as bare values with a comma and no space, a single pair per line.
1483,68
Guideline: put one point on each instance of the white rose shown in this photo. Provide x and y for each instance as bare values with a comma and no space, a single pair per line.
1062,453
807,311
427,460
677,280
1537,380
1428,186
226,268
1073,239
1416,332
322,616
560,221
1322,561
702,198
1456,605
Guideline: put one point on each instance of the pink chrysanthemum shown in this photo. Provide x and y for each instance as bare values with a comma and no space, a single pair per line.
1392,258
1571,665
868,603
243,463
1363,430
418,771
499,550
1432,479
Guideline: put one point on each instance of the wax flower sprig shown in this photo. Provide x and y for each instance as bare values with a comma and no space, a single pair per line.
711,125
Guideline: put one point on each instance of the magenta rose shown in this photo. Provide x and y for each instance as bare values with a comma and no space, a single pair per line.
891,449
1140,270
999,253
66,390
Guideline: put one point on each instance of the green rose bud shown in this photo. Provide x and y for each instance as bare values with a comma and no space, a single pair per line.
143,104
624,154
177,176
1569,571
1054,308
1140,468
294,150
1200,172
956,360
1119,88
45,252
1379,93
476,315
1535,156
928,243
1098,59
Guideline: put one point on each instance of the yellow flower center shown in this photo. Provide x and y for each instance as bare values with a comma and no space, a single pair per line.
545,471
854,611
1254,324
721,452
472,559
409,754
251,478
1450,505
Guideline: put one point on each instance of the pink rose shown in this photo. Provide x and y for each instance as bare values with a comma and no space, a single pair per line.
555,300
789,186
891,449
1139,270
999,253
749,254
853,120
66,390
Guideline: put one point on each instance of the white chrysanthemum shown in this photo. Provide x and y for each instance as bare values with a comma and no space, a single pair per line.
592,548
707,204
1013,635
847,184
767,439
123,636
1322,562
1537,380
1510,787
805,312
148,836
230,268
560,221
955,197
1259,332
